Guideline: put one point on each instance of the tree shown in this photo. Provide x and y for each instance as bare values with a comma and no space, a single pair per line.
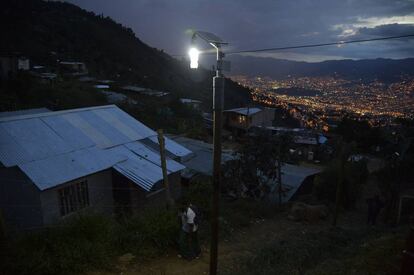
340,183
256,166
396,175
361,132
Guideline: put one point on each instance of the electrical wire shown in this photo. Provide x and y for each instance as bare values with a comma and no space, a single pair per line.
322,44
313,45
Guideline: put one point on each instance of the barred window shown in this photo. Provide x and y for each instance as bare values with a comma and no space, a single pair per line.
73,197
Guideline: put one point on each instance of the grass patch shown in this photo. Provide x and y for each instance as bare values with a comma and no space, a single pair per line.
378,255
78,246
242,213
328,252
88,243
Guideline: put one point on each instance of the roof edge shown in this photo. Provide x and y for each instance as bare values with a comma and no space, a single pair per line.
52,113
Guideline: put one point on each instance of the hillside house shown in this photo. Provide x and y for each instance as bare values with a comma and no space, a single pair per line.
145,91
193,103
306,143
73,68
98,159
11,64
241,119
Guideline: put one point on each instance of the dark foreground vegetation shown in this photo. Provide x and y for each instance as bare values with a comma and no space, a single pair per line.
89,242
334,251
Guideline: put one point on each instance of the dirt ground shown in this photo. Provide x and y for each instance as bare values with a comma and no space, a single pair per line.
243,243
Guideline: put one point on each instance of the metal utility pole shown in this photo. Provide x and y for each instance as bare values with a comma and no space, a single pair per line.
161,141
218,98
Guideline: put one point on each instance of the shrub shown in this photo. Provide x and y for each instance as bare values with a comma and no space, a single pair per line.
82,244
199,193
299,253
90,242
355,174
150,232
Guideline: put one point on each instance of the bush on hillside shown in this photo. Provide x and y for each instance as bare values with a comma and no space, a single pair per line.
86,243
355,175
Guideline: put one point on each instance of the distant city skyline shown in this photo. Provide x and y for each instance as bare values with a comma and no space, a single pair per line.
246,24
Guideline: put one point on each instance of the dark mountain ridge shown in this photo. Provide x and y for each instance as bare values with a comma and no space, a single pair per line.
366,69
49,31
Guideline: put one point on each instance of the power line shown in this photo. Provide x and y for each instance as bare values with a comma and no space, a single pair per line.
315,45
322,44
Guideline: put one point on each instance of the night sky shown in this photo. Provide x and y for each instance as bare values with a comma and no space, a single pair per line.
251,24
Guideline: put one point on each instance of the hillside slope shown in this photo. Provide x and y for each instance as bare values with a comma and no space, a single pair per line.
50,31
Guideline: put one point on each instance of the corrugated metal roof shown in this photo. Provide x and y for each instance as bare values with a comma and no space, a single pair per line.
111,133
152,156
10,152
292,178
138,169
116,119
201,158
48,173
55,147
245,111
173,147
33,138
72,135
40,136
189,100
24,112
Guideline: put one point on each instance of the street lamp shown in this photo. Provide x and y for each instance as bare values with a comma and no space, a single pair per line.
218,96
194,53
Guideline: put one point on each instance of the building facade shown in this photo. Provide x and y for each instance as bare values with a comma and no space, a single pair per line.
97,160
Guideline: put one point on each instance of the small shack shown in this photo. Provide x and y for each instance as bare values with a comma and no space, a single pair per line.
98,159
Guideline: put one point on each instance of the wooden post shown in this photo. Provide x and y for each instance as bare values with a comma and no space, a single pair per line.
161,141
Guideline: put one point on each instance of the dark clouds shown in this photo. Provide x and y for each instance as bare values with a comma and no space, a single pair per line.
388,30
268,23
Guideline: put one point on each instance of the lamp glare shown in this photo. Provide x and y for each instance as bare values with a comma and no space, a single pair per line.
193,53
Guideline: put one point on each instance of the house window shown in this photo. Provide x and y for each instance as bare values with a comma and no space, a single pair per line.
242,119
73,197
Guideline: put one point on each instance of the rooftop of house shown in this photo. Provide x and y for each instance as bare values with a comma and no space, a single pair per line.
24,112
189,100
145,91
71,63
292,178
52,148
244,111
201,159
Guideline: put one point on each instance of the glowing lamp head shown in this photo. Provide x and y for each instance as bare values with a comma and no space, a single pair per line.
194,53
